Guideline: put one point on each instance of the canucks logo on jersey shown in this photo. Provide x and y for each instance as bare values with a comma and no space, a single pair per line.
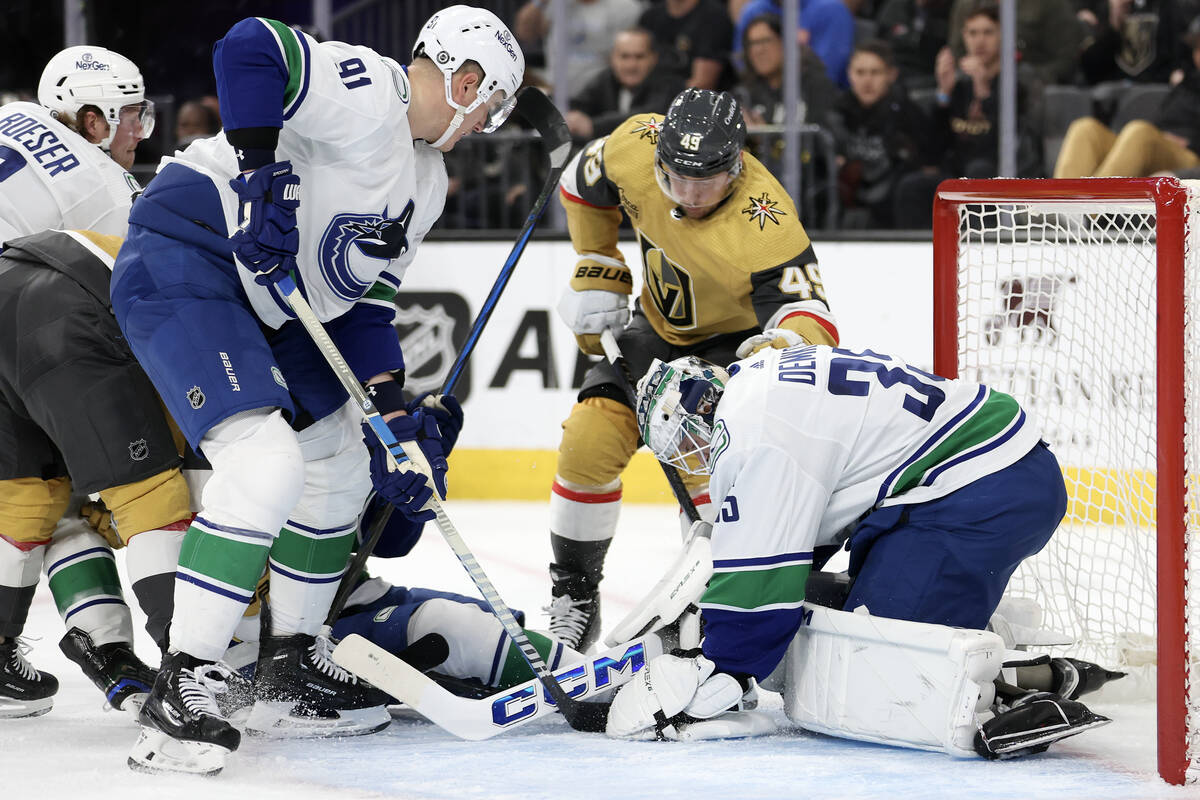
373,235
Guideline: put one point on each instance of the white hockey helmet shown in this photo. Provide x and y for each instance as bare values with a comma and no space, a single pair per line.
459,34
89,75
676,405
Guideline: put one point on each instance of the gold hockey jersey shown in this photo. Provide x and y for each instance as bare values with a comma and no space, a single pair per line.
749,264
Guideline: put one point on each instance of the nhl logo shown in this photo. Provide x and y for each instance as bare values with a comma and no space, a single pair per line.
195,398
139,450
426,338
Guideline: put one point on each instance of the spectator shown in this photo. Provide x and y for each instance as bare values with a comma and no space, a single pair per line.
760,91
632,84
879,132
1048,36
693,39
195,120
591,26
916,31
1168,143
1132,40
966,118
825,25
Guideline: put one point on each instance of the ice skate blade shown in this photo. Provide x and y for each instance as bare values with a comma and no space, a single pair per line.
276,720
11,708
156,752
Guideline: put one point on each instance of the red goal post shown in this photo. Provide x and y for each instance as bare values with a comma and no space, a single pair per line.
1079,297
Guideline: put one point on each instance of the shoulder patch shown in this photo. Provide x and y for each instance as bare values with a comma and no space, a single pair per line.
647,128
762,209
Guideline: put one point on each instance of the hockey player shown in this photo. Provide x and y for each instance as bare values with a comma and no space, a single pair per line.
727,268
62,165
939,489
64,161
329,169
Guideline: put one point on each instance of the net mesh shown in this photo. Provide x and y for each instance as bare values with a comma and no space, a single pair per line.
1057,306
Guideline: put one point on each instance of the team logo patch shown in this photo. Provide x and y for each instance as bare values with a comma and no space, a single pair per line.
649,128
139,450
669,284
278,376
195,398
372,235
382,614
763,208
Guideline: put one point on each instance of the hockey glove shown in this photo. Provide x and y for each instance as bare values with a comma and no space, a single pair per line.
778,338
596,299
407,489
670,693
446,411
266,241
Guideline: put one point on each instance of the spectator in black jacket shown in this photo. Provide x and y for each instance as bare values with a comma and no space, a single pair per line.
880,135
760,90
1132,40
965,125
632,84
1170,142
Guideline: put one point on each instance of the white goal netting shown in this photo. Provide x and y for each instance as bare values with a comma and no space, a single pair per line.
1057,304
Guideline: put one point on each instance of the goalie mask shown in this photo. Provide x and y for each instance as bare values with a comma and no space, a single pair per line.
94,76
676,404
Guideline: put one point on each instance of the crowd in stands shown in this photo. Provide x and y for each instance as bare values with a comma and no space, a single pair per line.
908,89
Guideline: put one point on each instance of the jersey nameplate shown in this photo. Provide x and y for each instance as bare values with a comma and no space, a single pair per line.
43,144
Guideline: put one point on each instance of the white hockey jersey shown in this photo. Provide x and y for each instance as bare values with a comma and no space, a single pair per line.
368,192
51,177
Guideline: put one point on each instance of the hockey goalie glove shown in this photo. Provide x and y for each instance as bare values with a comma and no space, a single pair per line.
266,240
596,300
671,693
778,338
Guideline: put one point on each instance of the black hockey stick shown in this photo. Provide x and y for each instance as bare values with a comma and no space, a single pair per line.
535,108
612,351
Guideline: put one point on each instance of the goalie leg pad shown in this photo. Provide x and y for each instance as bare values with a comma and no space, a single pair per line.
909,684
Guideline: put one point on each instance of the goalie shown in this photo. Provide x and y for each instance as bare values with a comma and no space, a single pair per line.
939,489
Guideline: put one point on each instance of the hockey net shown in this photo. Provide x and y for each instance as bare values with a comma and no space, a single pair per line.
1079,298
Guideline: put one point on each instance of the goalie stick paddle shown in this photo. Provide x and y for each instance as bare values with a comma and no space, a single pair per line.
483,718
612,351
571,709
535,108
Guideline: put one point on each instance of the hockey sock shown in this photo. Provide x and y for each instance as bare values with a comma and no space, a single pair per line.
20,568
306,565
150,560
219,566
513,667
83,579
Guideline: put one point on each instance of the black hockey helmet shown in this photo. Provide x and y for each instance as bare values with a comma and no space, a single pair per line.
702,135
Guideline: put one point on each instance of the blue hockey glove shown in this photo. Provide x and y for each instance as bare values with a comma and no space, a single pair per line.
267,240
446,411
399,488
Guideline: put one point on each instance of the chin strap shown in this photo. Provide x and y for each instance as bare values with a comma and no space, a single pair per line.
459,116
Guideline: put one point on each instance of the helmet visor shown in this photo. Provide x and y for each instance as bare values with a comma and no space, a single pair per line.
498,108
137,115
689,192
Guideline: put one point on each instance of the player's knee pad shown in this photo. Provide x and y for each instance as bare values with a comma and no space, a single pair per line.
337,478
911,684
31,507
258,471
599,438
470,633
148,504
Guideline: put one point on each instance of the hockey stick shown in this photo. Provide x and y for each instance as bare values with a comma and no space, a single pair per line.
536,109
483,718
576,714
612,351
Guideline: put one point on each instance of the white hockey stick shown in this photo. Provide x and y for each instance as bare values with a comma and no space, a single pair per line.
488,716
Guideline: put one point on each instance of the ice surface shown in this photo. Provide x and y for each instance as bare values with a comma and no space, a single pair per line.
78,750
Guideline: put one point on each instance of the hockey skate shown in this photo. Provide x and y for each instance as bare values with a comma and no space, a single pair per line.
574,609
183,729
114,668
300,693
24,691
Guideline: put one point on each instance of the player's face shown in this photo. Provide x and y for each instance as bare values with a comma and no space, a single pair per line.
696,196
870,78
485,118
136,123
764,49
